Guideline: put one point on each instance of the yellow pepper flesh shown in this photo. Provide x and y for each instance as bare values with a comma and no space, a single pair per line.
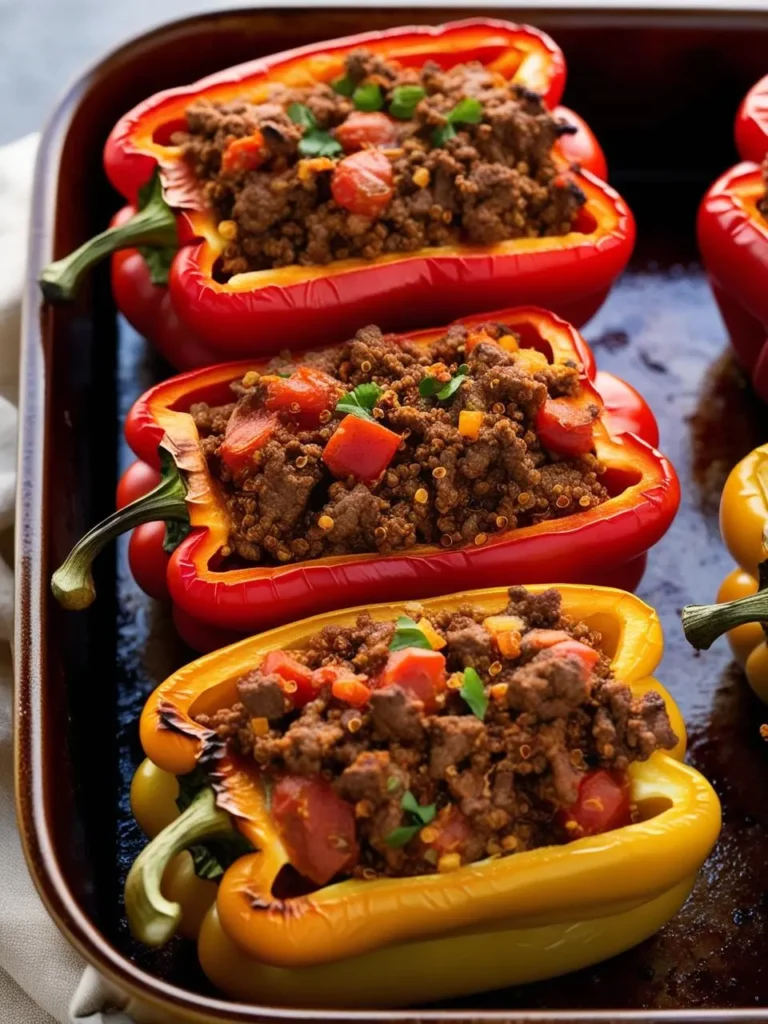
555,909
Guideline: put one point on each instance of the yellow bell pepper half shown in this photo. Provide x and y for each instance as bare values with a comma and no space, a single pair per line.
398,942
742,600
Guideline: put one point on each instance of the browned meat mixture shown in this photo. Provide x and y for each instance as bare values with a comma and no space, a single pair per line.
303,477
495,735
460,156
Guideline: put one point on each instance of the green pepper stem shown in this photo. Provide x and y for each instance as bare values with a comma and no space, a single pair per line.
72,583
152,918
153,225
704,623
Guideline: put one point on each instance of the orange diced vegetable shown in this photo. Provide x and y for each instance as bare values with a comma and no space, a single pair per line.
470,423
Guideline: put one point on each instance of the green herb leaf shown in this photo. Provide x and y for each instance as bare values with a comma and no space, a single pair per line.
432,387
402,836
301,115
441,135
473,692
392,783
283,374
408,634
368,97
405,99
360,401
467,111
344,86
319,143
159,262
425,814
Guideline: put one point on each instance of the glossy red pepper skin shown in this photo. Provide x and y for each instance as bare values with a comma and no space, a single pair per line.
606,544
733,239
256,314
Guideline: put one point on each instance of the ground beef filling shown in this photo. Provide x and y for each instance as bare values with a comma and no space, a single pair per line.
483,786
489,182
442,486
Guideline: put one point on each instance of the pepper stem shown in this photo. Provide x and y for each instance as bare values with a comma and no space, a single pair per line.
72,583
704,623
154,225
152,918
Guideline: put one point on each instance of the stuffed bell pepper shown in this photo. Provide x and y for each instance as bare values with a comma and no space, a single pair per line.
397,177
733,238
415,802
385,468
742,610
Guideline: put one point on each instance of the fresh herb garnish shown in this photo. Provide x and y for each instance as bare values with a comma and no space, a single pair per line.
473,692
466,111
301,115
360,401
344,85
405,99
431,387
319,143
368,97
408,634
314,141
392,783
423,815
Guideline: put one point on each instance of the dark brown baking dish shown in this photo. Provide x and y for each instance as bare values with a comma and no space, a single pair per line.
660,90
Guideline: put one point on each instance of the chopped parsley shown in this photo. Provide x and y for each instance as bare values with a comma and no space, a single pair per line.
408,634
344,85
423,815
405,99
368,97
473,692
431,387
360,401
466,111
314,141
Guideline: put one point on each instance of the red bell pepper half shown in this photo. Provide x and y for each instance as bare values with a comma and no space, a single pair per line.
733,239
258,313
590,546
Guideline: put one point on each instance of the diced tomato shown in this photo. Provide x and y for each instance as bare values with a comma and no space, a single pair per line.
366,129
453,830
248,429
360,448
304,395
363,183
541,639
588,656
293,672
420,672
317,827
564,425
244,154
351,690
603,804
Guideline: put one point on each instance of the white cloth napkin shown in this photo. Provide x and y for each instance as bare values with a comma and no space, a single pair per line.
42,979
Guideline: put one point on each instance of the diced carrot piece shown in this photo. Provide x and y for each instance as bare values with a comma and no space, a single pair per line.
436,641
474,338
508,644
244,154
351,691
564,425
470,423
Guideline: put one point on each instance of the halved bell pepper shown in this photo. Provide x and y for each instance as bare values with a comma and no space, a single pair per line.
603,544
397,942
261,312
742,608
733,239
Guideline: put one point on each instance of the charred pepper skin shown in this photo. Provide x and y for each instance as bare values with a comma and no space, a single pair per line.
320,950
254,314
611,538
733,239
